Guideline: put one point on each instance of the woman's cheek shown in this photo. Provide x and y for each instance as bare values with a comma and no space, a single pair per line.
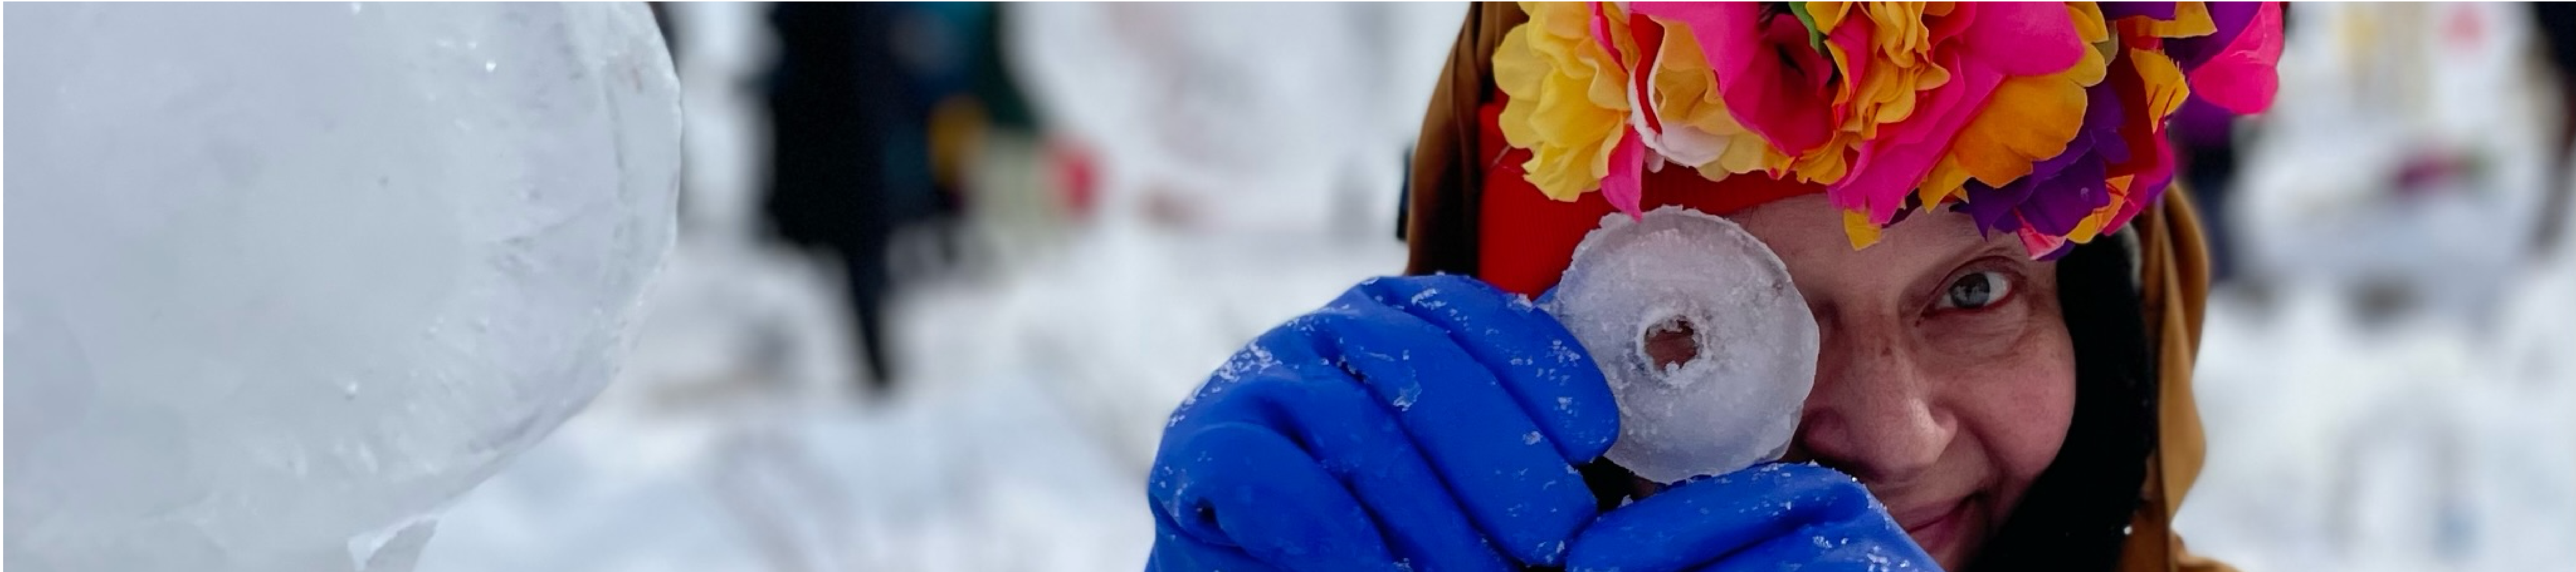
2012,384
1982,335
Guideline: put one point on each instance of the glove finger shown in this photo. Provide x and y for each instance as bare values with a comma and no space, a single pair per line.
1702,521
1496,462
1546,370
1862,545
1354,438
1242,485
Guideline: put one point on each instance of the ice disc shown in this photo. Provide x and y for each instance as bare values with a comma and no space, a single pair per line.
1708,347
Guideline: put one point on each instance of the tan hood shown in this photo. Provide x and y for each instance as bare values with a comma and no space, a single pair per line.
2173,276
1441,221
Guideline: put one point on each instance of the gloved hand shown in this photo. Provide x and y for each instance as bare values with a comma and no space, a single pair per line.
1416,423
1770,517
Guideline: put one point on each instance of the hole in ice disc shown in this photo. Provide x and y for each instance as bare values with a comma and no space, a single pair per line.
1670,343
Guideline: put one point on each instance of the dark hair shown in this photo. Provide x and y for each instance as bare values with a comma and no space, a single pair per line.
2076,514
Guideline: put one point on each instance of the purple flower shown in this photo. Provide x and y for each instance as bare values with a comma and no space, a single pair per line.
2113,11
2230,19
2060,191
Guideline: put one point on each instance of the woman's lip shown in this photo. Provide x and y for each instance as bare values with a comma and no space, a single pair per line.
1934,527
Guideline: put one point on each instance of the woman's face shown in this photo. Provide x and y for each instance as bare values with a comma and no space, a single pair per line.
1945,380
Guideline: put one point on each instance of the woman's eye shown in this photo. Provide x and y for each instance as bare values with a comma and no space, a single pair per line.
1976,290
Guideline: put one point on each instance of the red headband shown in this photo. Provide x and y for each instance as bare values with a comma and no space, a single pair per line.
1527,240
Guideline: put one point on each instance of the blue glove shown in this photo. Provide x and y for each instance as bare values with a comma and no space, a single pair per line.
1422,423
1778,516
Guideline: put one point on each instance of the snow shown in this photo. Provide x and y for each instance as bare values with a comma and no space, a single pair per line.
290,277
1255,118
2423,445
988,479
1735,400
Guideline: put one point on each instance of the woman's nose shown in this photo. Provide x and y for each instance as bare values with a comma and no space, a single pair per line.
1871,413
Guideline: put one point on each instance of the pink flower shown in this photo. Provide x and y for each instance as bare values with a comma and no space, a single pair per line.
1772,81
1991,43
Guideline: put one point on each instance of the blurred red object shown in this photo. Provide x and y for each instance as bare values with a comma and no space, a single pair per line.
1076,171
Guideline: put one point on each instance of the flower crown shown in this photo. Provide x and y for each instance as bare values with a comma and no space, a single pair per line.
2041,119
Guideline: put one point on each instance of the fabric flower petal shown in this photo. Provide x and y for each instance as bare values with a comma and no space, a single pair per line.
2189,19
2042,246
2153,10
1624,185
1889,167
2027,119
2150,186
2024,38
1775,98
2242,78
2063,200
1567,98
2044,120
2227,20
1698,129
1858,228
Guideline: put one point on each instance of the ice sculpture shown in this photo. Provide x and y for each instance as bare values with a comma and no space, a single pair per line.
284,278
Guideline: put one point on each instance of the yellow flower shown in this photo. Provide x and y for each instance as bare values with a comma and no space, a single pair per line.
2190,19
1893,67
1828,163
1901,64
2166,87
1568,103
1858,229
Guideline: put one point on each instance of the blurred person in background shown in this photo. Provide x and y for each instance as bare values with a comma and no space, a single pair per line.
2205,144
871,113
2009,374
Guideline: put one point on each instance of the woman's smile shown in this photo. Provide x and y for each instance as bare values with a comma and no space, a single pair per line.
1938,526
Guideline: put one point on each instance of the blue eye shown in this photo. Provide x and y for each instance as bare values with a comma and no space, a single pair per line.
1976,290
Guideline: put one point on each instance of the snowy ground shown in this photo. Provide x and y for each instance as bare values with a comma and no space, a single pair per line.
2333,444
2415,445
1024,448
2419,445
